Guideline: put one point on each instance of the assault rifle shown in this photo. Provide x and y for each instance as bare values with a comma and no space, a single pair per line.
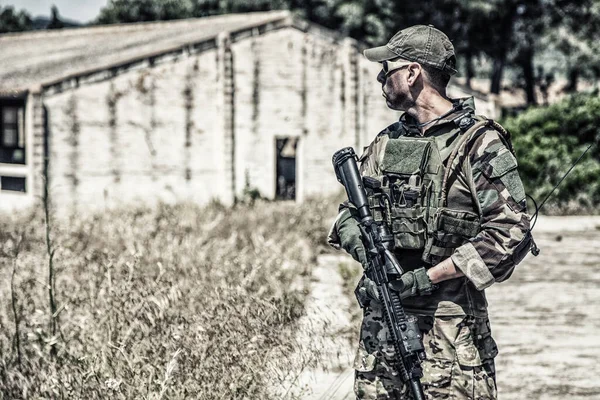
382,265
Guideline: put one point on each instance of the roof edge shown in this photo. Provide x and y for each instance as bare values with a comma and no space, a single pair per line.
93,29
311,27
281,19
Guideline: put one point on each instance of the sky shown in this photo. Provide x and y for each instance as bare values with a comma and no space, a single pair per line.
78,10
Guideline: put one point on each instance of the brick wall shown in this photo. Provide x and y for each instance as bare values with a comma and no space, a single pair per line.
203,126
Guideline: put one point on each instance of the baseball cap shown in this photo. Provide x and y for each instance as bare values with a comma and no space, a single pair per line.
419,43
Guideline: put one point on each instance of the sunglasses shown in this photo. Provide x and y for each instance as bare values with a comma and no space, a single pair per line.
391,66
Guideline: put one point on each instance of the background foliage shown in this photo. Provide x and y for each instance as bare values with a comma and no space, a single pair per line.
534,40
506,33
548,140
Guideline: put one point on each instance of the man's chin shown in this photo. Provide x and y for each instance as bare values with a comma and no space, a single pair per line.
387,101
391,105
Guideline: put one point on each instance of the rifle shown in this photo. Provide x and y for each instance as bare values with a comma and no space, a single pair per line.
408,342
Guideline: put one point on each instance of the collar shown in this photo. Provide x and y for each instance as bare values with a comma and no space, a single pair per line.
460,108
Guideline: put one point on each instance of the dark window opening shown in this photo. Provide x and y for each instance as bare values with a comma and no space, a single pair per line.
12,133
12,183
286,169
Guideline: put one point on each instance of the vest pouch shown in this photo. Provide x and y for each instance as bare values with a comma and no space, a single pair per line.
449,229
409,227
406,157
376,206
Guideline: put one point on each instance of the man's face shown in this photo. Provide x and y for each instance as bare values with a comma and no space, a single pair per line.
394,86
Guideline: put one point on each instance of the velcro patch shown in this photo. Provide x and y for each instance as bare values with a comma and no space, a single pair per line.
504,167
501,164
403,156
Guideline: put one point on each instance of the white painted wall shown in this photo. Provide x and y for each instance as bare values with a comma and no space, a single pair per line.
159,132
123,140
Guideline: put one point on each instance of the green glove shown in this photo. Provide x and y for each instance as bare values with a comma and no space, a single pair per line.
368,290
350,237
413,283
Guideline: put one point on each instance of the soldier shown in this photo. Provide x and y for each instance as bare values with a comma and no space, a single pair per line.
453,199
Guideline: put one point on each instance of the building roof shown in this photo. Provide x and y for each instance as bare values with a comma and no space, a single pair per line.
31,60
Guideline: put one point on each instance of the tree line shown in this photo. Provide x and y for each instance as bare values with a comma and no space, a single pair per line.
504,34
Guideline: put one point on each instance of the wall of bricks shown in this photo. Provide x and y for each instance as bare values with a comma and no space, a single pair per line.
203,126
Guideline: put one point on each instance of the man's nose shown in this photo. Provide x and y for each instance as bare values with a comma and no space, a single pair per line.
381,77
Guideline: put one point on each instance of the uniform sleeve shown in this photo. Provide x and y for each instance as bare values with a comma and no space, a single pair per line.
490,256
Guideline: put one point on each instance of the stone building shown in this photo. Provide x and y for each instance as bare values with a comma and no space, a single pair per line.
188,110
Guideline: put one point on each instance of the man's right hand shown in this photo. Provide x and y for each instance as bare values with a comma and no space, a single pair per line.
413,283
345,233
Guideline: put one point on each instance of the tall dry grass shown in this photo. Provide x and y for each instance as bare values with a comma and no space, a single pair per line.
173,302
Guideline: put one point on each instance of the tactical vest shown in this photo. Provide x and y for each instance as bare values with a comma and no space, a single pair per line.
413,195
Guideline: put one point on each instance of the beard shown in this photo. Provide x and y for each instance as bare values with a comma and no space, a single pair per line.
398,100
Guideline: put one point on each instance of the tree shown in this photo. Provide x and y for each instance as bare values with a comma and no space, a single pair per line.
119,11
55,22
509,33
573,28
13,21
528,28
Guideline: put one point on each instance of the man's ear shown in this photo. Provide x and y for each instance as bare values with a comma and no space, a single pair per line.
414,73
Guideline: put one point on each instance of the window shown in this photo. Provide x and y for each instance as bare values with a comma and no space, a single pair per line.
12,184
12,136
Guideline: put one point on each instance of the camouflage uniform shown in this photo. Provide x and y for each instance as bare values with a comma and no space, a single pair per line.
457,338
453,369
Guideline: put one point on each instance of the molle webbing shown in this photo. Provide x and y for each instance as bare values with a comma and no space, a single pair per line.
413,199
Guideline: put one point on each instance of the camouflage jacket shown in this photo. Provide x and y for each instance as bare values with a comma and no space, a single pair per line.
485,181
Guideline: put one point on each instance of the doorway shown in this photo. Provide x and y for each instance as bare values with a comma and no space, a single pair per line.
285,176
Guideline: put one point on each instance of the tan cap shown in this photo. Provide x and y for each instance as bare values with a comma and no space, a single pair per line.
419,43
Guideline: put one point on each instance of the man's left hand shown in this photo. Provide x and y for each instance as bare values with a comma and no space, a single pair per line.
413,283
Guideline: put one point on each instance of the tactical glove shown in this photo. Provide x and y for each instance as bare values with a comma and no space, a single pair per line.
368,290
346,234
413,283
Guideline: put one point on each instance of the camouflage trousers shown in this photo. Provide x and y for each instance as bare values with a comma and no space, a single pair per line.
459,362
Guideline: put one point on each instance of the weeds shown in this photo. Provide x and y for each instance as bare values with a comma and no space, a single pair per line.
13,297
351,273
50,251
173,302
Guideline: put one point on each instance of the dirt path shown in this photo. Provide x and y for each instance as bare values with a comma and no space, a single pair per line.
326,320
546,317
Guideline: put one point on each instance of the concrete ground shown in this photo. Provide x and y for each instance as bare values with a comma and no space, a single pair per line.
545,319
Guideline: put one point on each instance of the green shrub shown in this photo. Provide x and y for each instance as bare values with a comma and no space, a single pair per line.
548,140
